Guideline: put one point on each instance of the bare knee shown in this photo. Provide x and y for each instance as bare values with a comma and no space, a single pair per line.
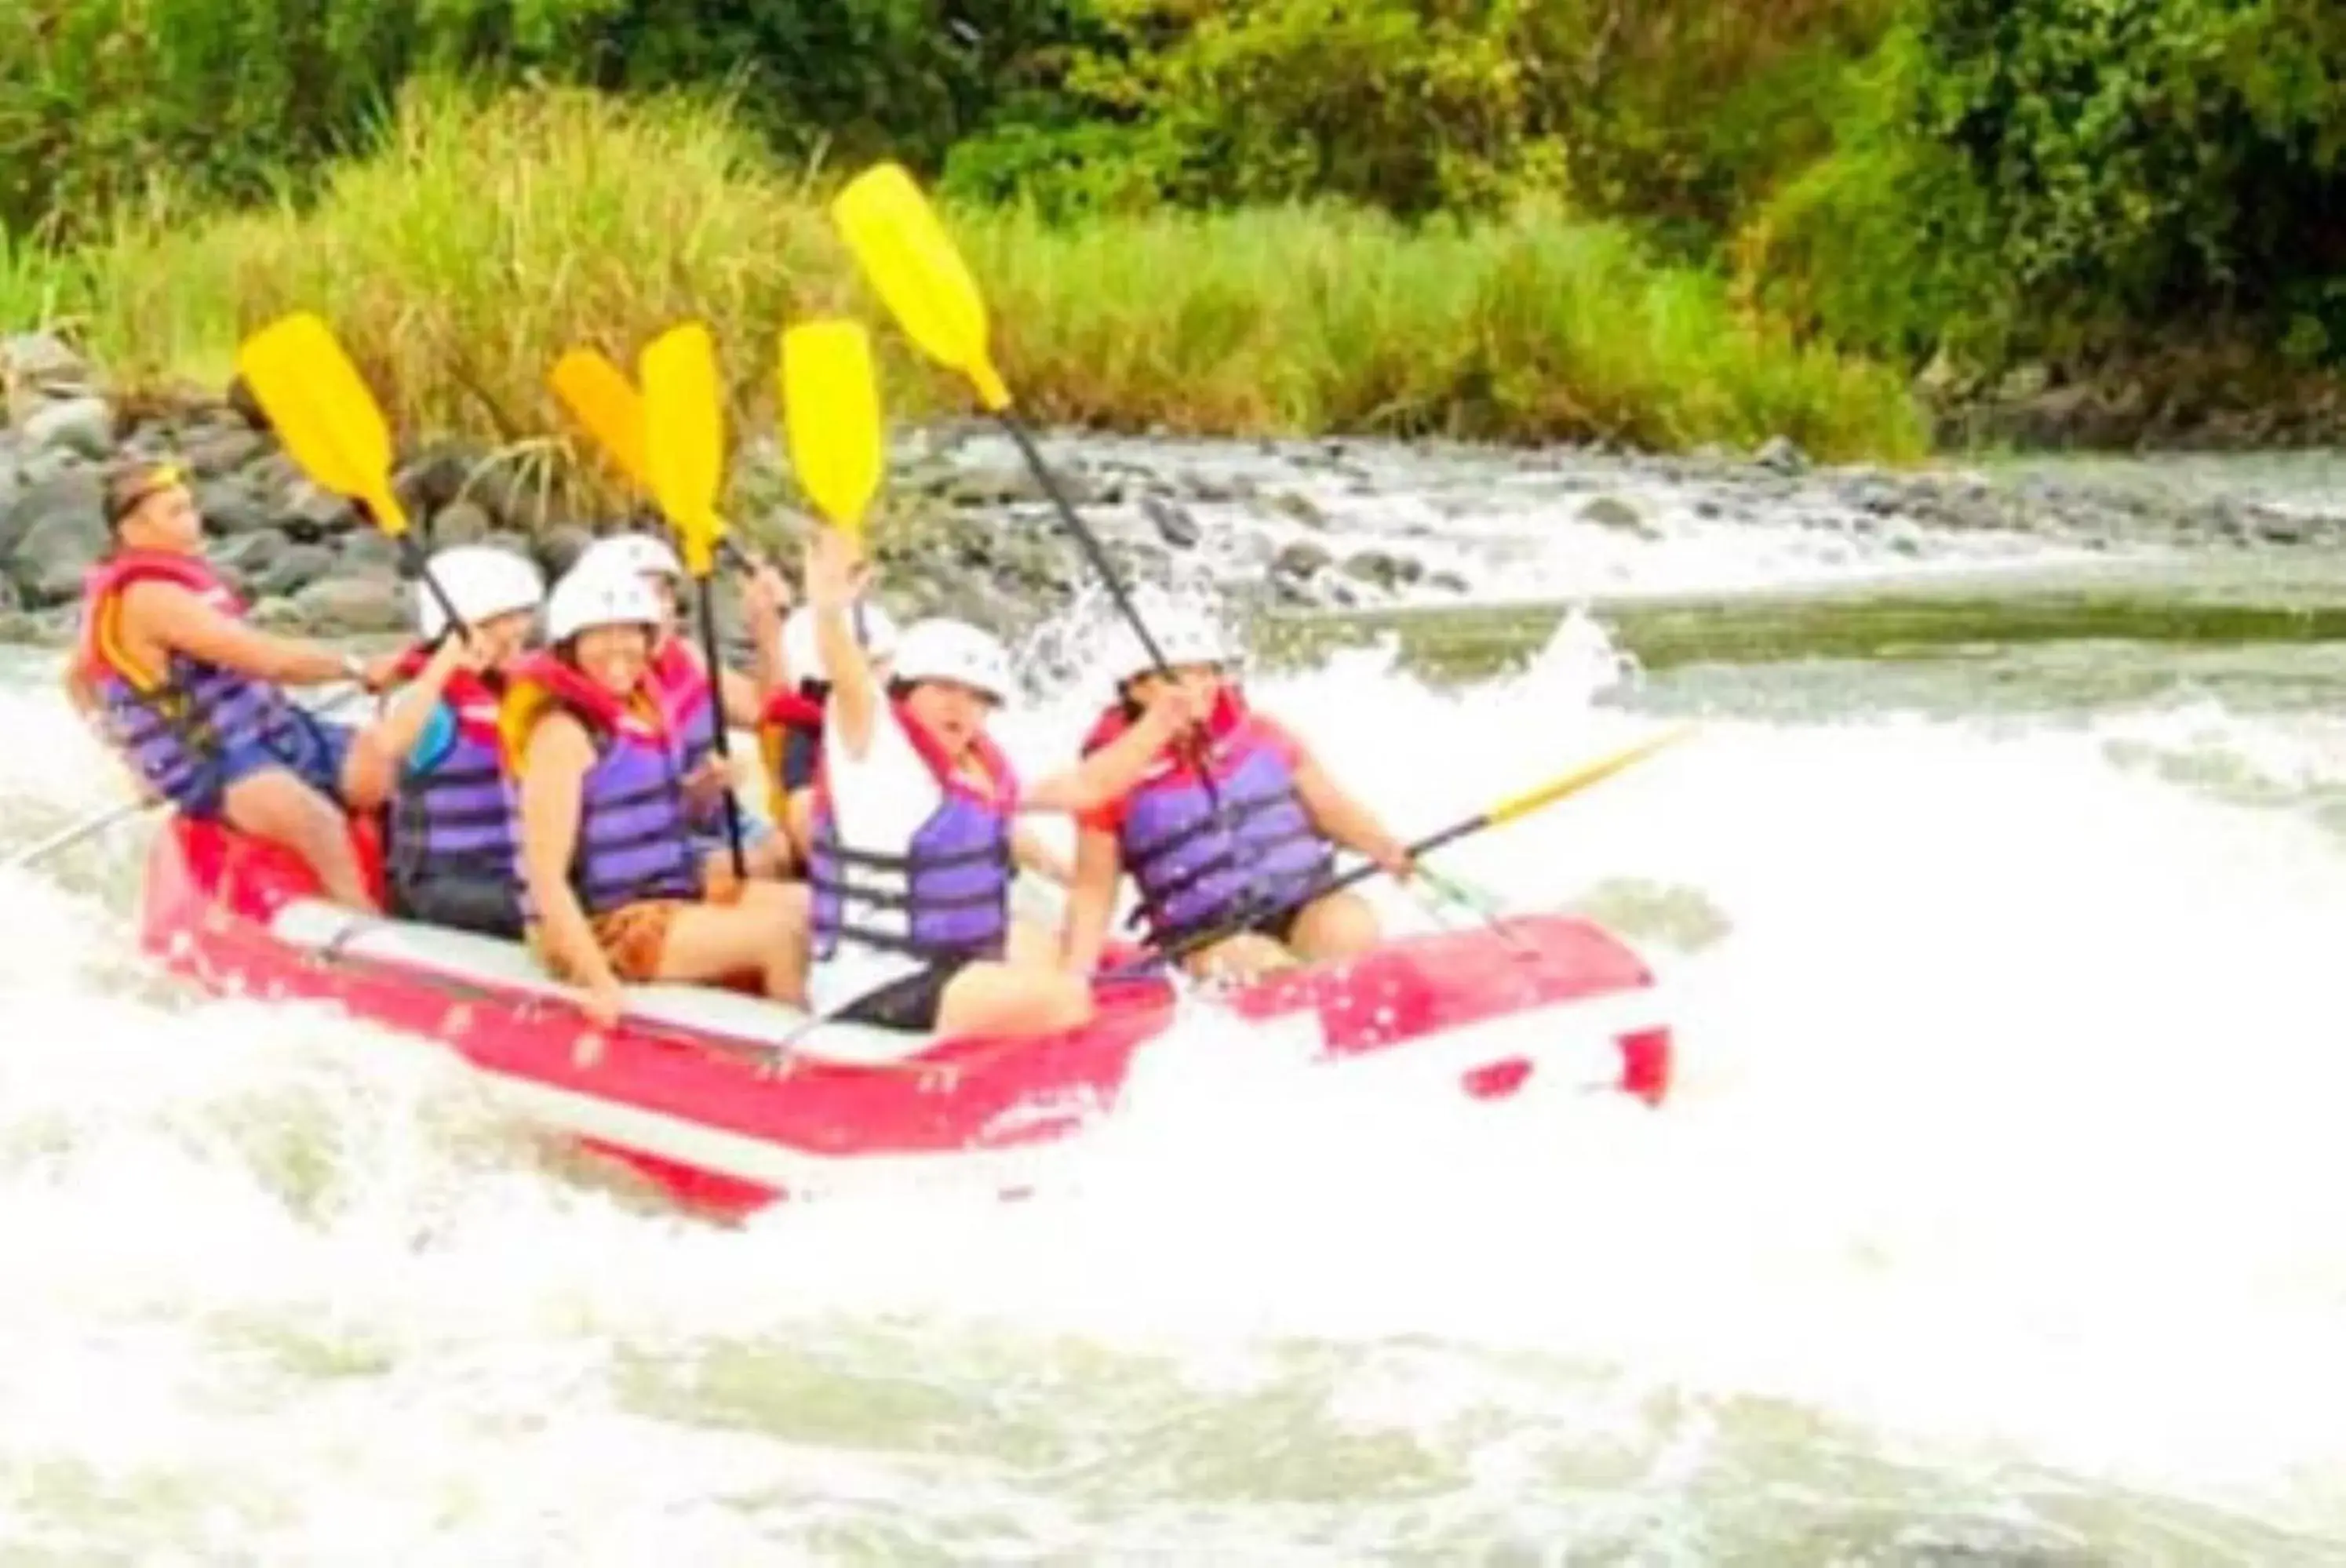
1000,999
1241,958
280,808
1341,925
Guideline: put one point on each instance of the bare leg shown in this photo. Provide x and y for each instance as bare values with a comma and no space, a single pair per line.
1339,925
1247,956
1031,946
762,933
275,804
1001,999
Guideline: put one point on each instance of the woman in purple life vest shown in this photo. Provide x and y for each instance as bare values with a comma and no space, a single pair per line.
682,682
913,830
453,828
1243,856
615,888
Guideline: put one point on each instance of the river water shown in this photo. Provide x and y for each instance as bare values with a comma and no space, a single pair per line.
2002,1217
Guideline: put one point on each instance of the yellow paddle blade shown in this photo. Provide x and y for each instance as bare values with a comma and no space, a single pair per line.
684,438
830,400
599,396
1583,776
912,266
322,411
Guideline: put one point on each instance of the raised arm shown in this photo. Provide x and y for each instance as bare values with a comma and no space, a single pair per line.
834,577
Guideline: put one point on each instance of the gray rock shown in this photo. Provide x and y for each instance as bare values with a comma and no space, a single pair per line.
293,569
9,601
1198,487
1003,487
247,557
460,522
558,546
40,360
354,605
1173,524
432,479
1300,560
81,425
309,515
1448,582
519,544
514,495
368,550
76,492
1382,569
49,561
1780,454
231,509
278,614
1301,508
221,450
1612,512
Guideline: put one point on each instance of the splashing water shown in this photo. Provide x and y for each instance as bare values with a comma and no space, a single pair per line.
2000,1213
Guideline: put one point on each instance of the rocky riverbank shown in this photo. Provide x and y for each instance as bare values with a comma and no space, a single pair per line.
964,529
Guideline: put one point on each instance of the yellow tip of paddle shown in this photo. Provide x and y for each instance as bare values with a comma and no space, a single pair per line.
600,397
321,410
684,438
912,264
831,403
1585,774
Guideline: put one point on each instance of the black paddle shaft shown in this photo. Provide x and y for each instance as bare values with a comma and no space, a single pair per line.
717,716
1100,564
1335,882
411,556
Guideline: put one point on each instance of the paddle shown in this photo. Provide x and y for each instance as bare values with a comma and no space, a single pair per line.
333,428
1506,811
88,827
912,265
600,397
684,457
831,406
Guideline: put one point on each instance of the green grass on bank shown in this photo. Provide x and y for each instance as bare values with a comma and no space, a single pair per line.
482,238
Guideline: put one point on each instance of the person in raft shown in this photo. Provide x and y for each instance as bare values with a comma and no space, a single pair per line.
913,808
681,680
791,725
451,835
1243,868
192,695
792,733
614,886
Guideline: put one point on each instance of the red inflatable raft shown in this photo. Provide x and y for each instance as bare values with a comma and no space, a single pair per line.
699,1089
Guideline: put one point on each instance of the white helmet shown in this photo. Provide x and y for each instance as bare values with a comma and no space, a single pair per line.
482,580
1183,636
941,649
874,628
636,551
597,594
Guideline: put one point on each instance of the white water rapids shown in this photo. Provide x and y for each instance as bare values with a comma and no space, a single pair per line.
2001,1215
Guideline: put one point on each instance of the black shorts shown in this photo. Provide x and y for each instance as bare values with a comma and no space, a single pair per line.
909,1004
1277,924
488,905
